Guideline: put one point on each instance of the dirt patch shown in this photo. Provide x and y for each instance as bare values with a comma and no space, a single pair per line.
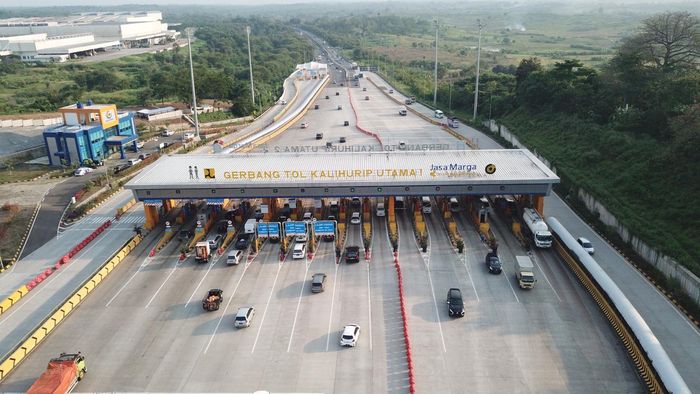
26,193
14,219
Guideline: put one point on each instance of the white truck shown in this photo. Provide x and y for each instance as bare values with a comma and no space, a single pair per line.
537,228
525,272
249,227
202,252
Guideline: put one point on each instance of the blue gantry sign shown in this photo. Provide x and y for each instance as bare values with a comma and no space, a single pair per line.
324,227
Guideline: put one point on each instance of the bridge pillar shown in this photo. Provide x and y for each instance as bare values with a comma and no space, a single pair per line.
151,213
538,204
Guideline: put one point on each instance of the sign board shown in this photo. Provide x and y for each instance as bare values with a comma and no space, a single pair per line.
294,228
263,229
324,227
273,230
153,202
263,208
215,201
317,203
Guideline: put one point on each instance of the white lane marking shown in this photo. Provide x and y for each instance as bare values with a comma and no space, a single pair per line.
213,263
469,275
172,271
267,305
301,294
505,276
211,338
58,274
330,316
145,263
369,306
545,277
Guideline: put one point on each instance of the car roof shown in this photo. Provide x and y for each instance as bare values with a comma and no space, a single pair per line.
583,240
350,328
352,247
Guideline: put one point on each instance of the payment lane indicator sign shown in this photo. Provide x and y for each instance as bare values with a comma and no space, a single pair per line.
294,228
324,227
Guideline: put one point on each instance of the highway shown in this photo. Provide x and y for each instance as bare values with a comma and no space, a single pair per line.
143,329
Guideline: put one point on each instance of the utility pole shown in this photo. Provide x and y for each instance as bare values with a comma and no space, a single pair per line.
194,96
478,59
436,63
250,66
450,105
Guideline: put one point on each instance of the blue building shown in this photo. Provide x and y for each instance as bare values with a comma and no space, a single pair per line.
90,131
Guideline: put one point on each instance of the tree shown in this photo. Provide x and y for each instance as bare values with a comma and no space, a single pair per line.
527,67
670,41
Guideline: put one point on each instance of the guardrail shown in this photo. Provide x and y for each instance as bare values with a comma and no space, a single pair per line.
650,359
404,317
11,360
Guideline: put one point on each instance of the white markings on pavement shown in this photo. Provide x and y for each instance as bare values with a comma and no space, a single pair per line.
505,276
545,277
211,338
426,262
172,271
212,264
267,305
296,313
369,306
145,263
469,275
330,317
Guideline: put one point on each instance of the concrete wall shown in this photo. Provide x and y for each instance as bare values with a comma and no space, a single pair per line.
166,115
688,281
30,122
25,155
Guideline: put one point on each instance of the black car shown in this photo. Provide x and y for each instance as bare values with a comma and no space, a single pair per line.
352,254
120,168
493,263
243,241
455,305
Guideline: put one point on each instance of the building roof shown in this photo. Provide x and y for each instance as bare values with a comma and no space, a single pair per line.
70,129
69,49
156,111
328,169
312,66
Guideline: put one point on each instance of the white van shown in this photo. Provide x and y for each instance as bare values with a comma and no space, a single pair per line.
380,209
244,317
299,251
439,114
402,111
234,257
133,162
427,206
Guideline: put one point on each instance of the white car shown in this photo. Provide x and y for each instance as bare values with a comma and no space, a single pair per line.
188,136
304,125
302,238
283,102
308,217
167,133
355,218
82,171
350,335
586,245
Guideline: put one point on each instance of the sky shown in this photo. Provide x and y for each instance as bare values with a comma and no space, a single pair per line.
45,3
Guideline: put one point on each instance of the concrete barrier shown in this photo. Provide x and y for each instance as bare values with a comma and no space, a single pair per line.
31,341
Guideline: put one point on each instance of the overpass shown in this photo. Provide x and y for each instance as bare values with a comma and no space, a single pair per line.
331,174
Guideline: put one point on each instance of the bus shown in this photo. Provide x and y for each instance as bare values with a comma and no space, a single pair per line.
427,206
454,205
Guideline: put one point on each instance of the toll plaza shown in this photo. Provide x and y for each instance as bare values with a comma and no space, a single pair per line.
332,174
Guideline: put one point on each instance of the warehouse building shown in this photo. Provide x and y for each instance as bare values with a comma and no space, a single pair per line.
90,131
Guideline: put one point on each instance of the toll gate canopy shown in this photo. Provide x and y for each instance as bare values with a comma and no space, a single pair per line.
347,174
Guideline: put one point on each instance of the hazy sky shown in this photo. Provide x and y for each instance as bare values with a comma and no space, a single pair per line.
43,3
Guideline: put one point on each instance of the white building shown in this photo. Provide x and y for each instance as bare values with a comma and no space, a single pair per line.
42,48
311,70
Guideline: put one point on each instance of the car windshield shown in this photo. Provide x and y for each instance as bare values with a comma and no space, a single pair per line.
586,244
544,238
347,336
456,302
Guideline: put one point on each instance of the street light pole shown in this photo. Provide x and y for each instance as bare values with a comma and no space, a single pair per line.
250,66
194,96
436,63
478,59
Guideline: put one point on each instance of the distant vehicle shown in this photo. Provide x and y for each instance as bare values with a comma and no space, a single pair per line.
408,101
185,235
304,125
319,136
454,204
327,97
301,238
453,122
493,263
399,203
426,205
337,93
537,228
258,214
133,162
167,133
299,251
355,218
364,89
334,207
243,241
391,91
380,209
215,242
342,140
61,376
340,107
438,114
316,106
346,123
356,202
188,136
352,254
308,217
367,98
402,145
329,144
244,317
283,102
143,156
249,227
586,245
82,171
93,164
202,252
455,305
350,335
334,80
140,144
317,281
525,272
403,111
212,300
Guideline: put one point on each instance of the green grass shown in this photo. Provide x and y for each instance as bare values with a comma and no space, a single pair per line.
22,172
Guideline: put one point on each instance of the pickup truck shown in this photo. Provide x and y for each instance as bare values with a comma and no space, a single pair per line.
213,300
